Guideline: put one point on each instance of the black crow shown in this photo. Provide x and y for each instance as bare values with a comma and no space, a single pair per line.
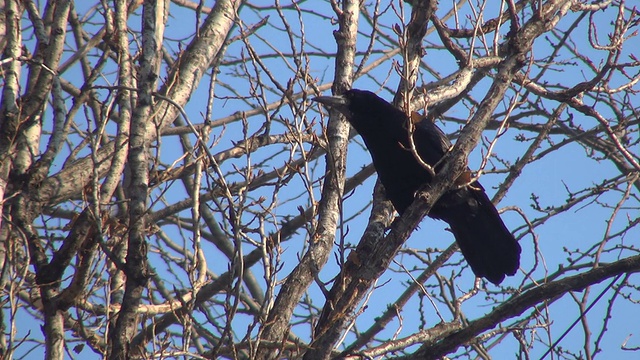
486,243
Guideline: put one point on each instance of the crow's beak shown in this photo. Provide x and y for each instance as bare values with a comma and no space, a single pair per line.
339,103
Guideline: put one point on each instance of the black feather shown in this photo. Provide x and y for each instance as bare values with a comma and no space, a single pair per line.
486,243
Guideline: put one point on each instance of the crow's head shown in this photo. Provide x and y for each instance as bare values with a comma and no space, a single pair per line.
366,112
355,102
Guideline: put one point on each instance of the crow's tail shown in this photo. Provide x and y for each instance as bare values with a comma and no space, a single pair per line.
486,243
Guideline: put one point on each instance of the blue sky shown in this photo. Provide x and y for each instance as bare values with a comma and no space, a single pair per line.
548,179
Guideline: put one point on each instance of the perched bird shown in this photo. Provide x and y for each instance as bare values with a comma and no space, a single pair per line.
486,243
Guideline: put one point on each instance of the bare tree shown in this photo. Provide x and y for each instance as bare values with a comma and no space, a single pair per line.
168,189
